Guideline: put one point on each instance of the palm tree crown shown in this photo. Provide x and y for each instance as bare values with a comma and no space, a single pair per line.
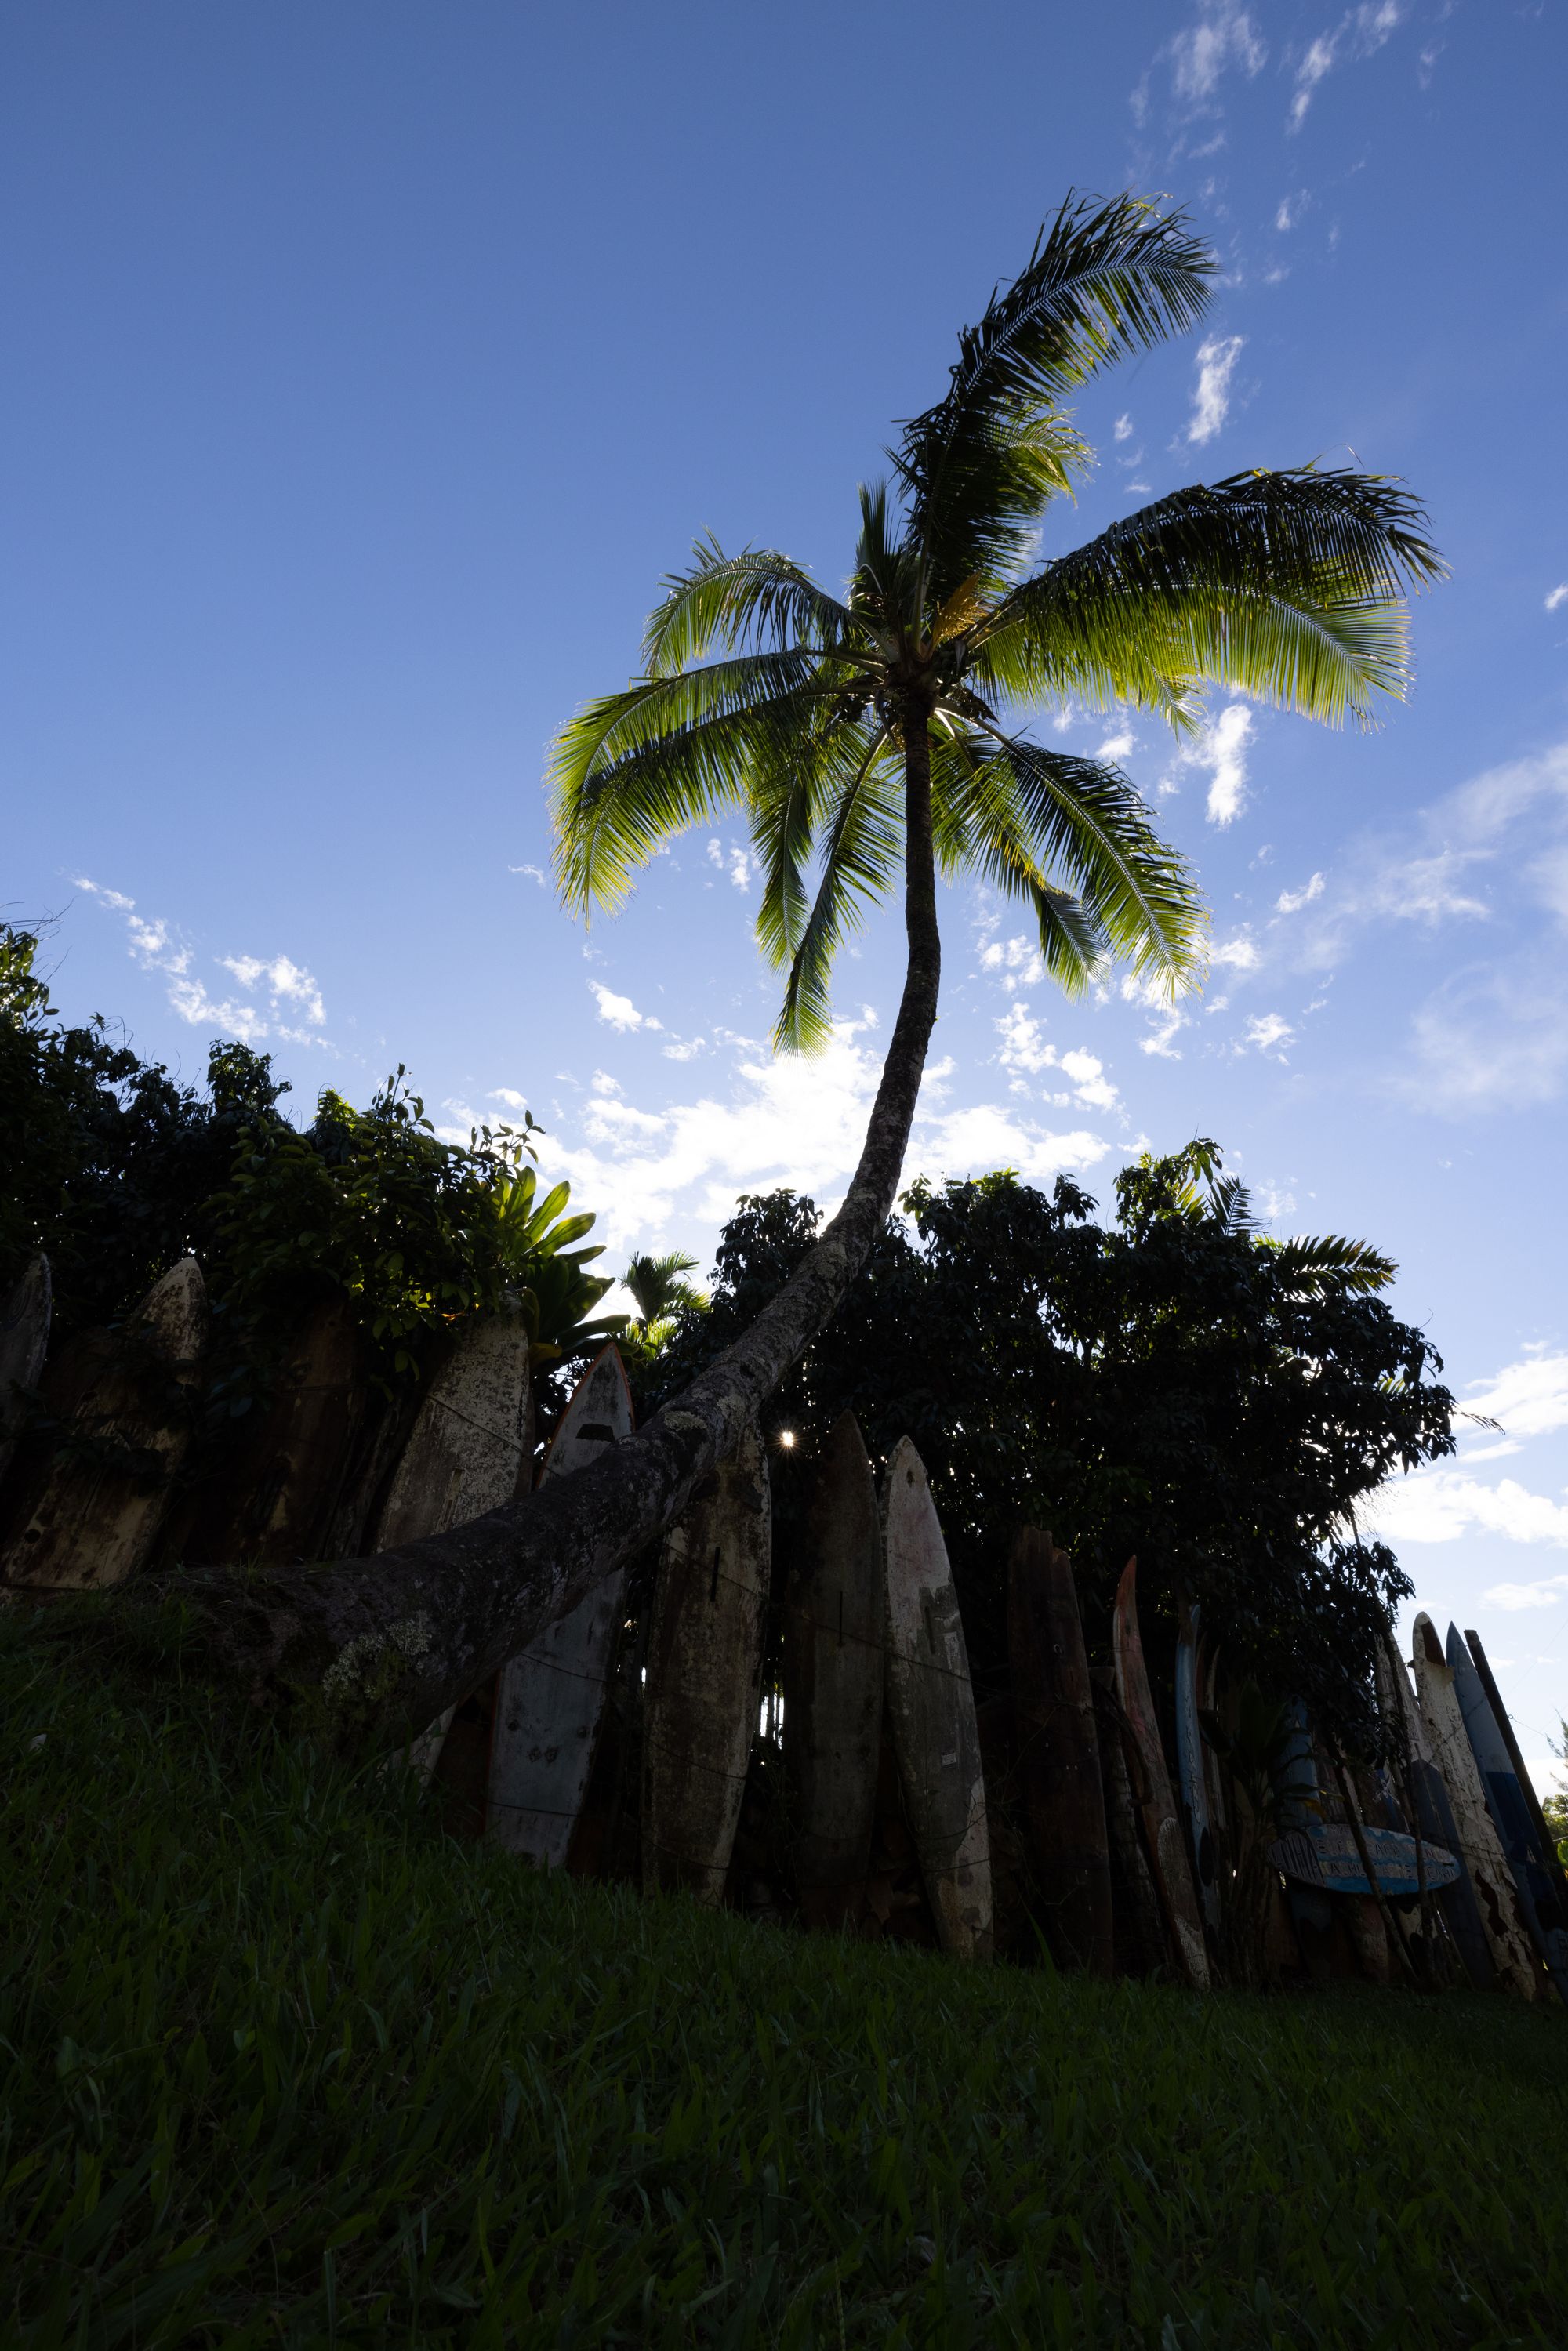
821,713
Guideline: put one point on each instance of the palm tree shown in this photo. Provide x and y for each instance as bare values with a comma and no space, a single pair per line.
660,1288
878,738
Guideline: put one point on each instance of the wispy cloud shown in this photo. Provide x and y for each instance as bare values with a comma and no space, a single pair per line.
1268,1033
1220,753
285,981
1557,597
1123,429
1222,36
1290,902
734,860
1217,360
619,1011
1439,1506
292,993
1360,33
534,874
1026,1052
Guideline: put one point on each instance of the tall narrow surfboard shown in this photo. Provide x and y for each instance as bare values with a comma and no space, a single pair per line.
291,1479
1168,1850
1325,1854
1545,1844
24,1343
549,1699
1058,1753
94,1526
1507,1937
705,1655
832,1675
931,1711
1509,1813
1190,1775
465,1455
1433,1821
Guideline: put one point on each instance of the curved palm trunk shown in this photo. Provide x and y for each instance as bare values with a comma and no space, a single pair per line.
377,1648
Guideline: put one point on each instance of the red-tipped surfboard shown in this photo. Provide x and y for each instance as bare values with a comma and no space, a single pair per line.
930,1707
549,1699
94,1526
1168,1850
1059,1752
704,1655
833,1683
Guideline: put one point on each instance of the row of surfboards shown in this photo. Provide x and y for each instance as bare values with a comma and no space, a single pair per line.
871,1628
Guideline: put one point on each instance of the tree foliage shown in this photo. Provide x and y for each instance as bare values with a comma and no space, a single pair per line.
1170,1383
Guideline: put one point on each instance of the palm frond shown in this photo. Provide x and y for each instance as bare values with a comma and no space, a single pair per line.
1331,1262
979,828
862,852
758,596
1104,280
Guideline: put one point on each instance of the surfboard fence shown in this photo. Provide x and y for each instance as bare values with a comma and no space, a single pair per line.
779,1714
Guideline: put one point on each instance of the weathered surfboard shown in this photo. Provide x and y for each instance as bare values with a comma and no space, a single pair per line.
1435,1819
549,1699
464,1457
931,1711
705,1657
1057,1750
1509,1813
292,1479
1507,1936
1324,1854
94,1526
1168,1850
1545,1844
1190,1774
832,1680
24,1343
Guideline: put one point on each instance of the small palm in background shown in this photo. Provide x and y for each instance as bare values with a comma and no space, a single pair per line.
661,1293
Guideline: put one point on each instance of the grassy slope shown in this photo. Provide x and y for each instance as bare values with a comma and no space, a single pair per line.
283,2066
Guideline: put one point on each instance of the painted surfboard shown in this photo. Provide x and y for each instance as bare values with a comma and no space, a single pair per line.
1507,1937
1545,1844
1057,1750
549,1699
1324,1853
1190,1774
24,1343
704,1659
1168,1850
931,1712
1509,1813
464,1457
95,1526
1434,1814
833,1678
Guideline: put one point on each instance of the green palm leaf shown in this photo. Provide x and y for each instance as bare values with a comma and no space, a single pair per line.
861,859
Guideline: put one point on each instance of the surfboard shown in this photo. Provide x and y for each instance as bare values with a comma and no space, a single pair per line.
1167,1851
1509,1813
549,1699
1545,1844
1324,1853
1057,1752
24,1343
1507,1937
93,1526
464,1457
832,1680
1435,1819
1190,1774
288,1486
931,1710
704,1656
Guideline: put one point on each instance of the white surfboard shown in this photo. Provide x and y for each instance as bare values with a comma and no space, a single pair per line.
549,1700
465,1455
930,1707
24,1343
1505,1930
93,1526
705,1652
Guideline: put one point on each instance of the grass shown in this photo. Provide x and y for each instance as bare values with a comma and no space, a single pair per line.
283,2066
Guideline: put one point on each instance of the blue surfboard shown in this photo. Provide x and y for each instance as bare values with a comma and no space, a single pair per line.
1322,1854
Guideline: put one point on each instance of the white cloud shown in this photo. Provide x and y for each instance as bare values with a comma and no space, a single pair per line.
285,982
535,874
1123,429
686,1049
1290,211
1267,1032
1239,954
1558,596
1273,1201
1290,902
1490,1039
1528,1398
1017,962
734,860
1217,360
1223,36
619,1011
1220,752
1439,1506
1117,746
1026,1053
1361,32
115,898
973,1142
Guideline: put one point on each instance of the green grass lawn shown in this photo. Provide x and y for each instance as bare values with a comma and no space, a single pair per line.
282,2065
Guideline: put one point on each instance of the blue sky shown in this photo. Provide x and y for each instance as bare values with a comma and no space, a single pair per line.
369,365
